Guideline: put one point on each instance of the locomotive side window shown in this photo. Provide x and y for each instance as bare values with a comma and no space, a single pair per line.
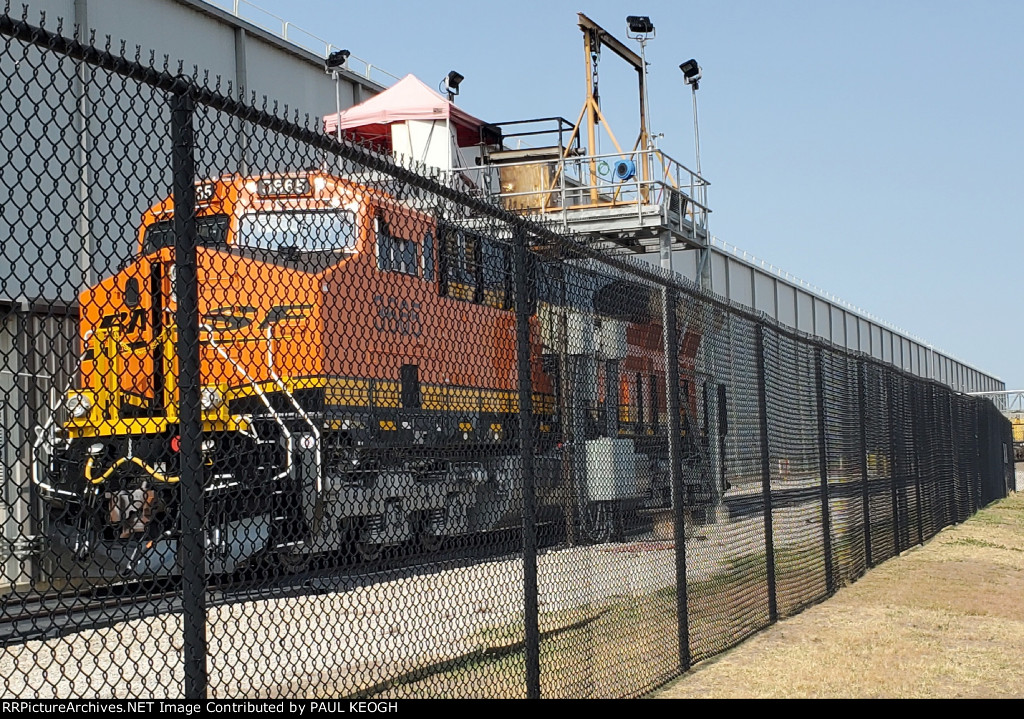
212,231
305,231
497,275
395,254
460,269
475,268
428,256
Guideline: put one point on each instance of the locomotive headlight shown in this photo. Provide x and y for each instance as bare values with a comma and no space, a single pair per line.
210,397
78,405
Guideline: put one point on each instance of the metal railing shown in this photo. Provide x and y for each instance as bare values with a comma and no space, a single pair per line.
643,179
1009,401
300,37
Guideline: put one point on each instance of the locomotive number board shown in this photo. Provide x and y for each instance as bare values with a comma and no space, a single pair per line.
283,187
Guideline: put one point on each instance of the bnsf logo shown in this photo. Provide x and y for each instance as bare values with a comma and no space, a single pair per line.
235,318
131,321
231,318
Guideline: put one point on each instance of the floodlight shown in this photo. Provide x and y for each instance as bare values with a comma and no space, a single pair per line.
640,24
337,59
691,72
453,80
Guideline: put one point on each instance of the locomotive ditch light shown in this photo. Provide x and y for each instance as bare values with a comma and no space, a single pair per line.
640,24
210,397
336,60
78,405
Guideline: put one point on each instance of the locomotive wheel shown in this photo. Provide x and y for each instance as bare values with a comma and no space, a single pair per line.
599,522
433,542
293,560
369,551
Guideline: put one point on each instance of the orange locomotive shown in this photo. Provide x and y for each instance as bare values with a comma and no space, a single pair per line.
358,386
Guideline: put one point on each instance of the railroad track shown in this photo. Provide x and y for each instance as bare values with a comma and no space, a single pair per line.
743,505
42,617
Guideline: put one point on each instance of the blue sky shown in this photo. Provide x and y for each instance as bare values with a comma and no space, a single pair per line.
871,148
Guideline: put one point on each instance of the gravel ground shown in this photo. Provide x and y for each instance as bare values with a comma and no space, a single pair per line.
334,643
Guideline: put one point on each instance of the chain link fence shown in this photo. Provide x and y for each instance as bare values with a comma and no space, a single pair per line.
284,418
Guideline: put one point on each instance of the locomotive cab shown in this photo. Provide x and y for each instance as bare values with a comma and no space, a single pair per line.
109,476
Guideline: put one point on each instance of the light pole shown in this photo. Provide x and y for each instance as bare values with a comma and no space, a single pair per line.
333,64
692,75
642,29
451,84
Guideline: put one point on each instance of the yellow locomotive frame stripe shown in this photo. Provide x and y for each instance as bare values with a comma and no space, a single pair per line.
339,392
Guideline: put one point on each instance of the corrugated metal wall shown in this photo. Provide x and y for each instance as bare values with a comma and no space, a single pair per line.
37,358
761,287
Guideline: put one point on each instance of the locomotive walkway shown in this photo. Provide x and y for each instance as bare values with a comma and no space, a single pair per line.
942,620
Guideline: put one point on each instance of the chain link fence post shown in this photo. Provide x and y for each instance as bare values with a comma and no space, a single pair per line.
947,478
826,520
917,405
191,548
1011,470
955,481
675,452
893,463
980,461
766,475
526,452
865,488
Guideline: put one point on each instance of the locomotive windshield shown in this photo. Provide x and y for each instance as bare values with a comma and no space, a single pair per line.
212,231
305,231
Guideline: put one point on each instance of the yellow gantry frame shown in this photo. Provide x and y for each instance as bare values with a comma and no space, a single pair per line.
594,37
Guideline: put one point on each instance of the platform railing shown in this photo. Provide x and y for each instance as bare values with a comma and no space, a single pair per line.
1009,401
648,178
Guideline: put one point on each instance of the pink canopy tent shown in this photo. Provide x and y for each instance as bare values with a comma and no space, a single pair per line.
408,99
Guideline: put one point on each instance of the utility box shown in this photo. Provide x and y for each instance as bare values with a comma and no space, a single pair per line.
566,331
612,470
611,339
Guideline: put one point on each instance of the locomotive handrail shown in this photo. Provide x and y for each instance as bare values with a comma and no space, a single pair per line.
41,432
261,394
296,405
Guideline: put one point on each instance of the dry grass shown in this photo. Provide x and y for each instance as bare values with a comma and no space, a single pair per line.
942,620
